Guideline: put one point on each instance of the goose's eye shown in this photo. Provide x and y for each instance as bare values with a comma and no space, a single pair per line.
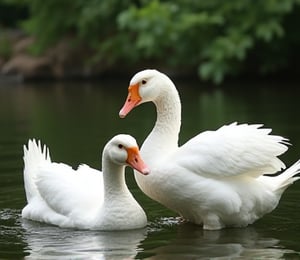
120,146
144,81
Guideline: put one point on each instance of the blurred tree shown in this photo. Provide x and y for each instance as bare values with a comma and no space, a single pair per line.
215,37
11,12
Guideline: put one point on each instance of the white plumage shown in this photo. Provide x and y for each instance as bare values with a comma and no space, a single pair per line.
84,198
217,178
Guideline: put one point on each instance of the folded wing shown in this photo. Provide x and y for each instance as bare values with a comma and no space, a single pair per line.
70,192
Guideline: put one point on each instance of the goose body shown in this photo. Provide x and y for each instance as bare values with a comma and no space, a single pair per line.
84,198
217,178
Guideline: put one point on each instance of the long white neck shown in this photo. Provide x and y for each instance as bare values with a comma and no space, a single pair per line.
114,179
119,209
164,136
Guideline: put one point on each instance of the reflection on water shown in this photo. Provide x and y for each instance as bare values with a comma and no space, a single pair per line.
164,238
49,242
191,241
75,121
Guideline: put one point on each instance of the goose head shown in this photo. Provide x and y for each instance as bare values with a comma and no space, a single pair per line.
123,150
145,86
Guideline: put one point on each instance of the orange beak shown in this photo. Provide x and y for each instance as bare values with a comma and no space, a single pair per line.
133,99
135,161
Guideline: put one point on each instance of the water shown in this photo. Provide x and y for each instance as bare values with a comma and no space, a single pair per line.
76,120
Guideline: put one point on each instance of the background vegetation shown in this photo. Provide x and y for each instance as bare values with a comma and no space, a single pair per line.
214,38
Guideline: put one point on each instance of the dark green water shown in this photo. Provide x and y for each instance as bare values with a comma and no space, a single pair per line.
76,120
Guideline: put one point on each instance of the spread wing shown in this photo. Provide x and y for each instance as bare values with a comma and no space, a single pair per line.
232,150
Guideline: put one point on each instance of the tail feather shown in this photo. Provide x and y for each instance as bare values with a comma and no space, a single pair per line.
288,177
34,156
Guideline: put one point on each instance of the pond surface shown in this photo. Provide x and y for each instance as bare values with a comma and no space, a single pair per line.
76,120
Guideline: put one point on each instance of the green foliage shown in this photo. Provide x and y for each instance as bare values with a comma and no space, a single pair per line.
50,21
215,36
11,12
5,46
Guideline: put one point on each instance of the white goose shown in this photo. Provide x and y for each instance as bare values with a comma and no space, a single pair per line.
85,198
217,178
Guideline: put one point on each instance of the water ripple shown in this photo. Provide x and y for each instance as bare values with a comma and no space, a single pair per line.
49,242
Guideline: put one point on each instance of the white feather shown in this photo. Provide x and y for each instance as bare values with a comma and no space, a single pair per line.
217,178
84,198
